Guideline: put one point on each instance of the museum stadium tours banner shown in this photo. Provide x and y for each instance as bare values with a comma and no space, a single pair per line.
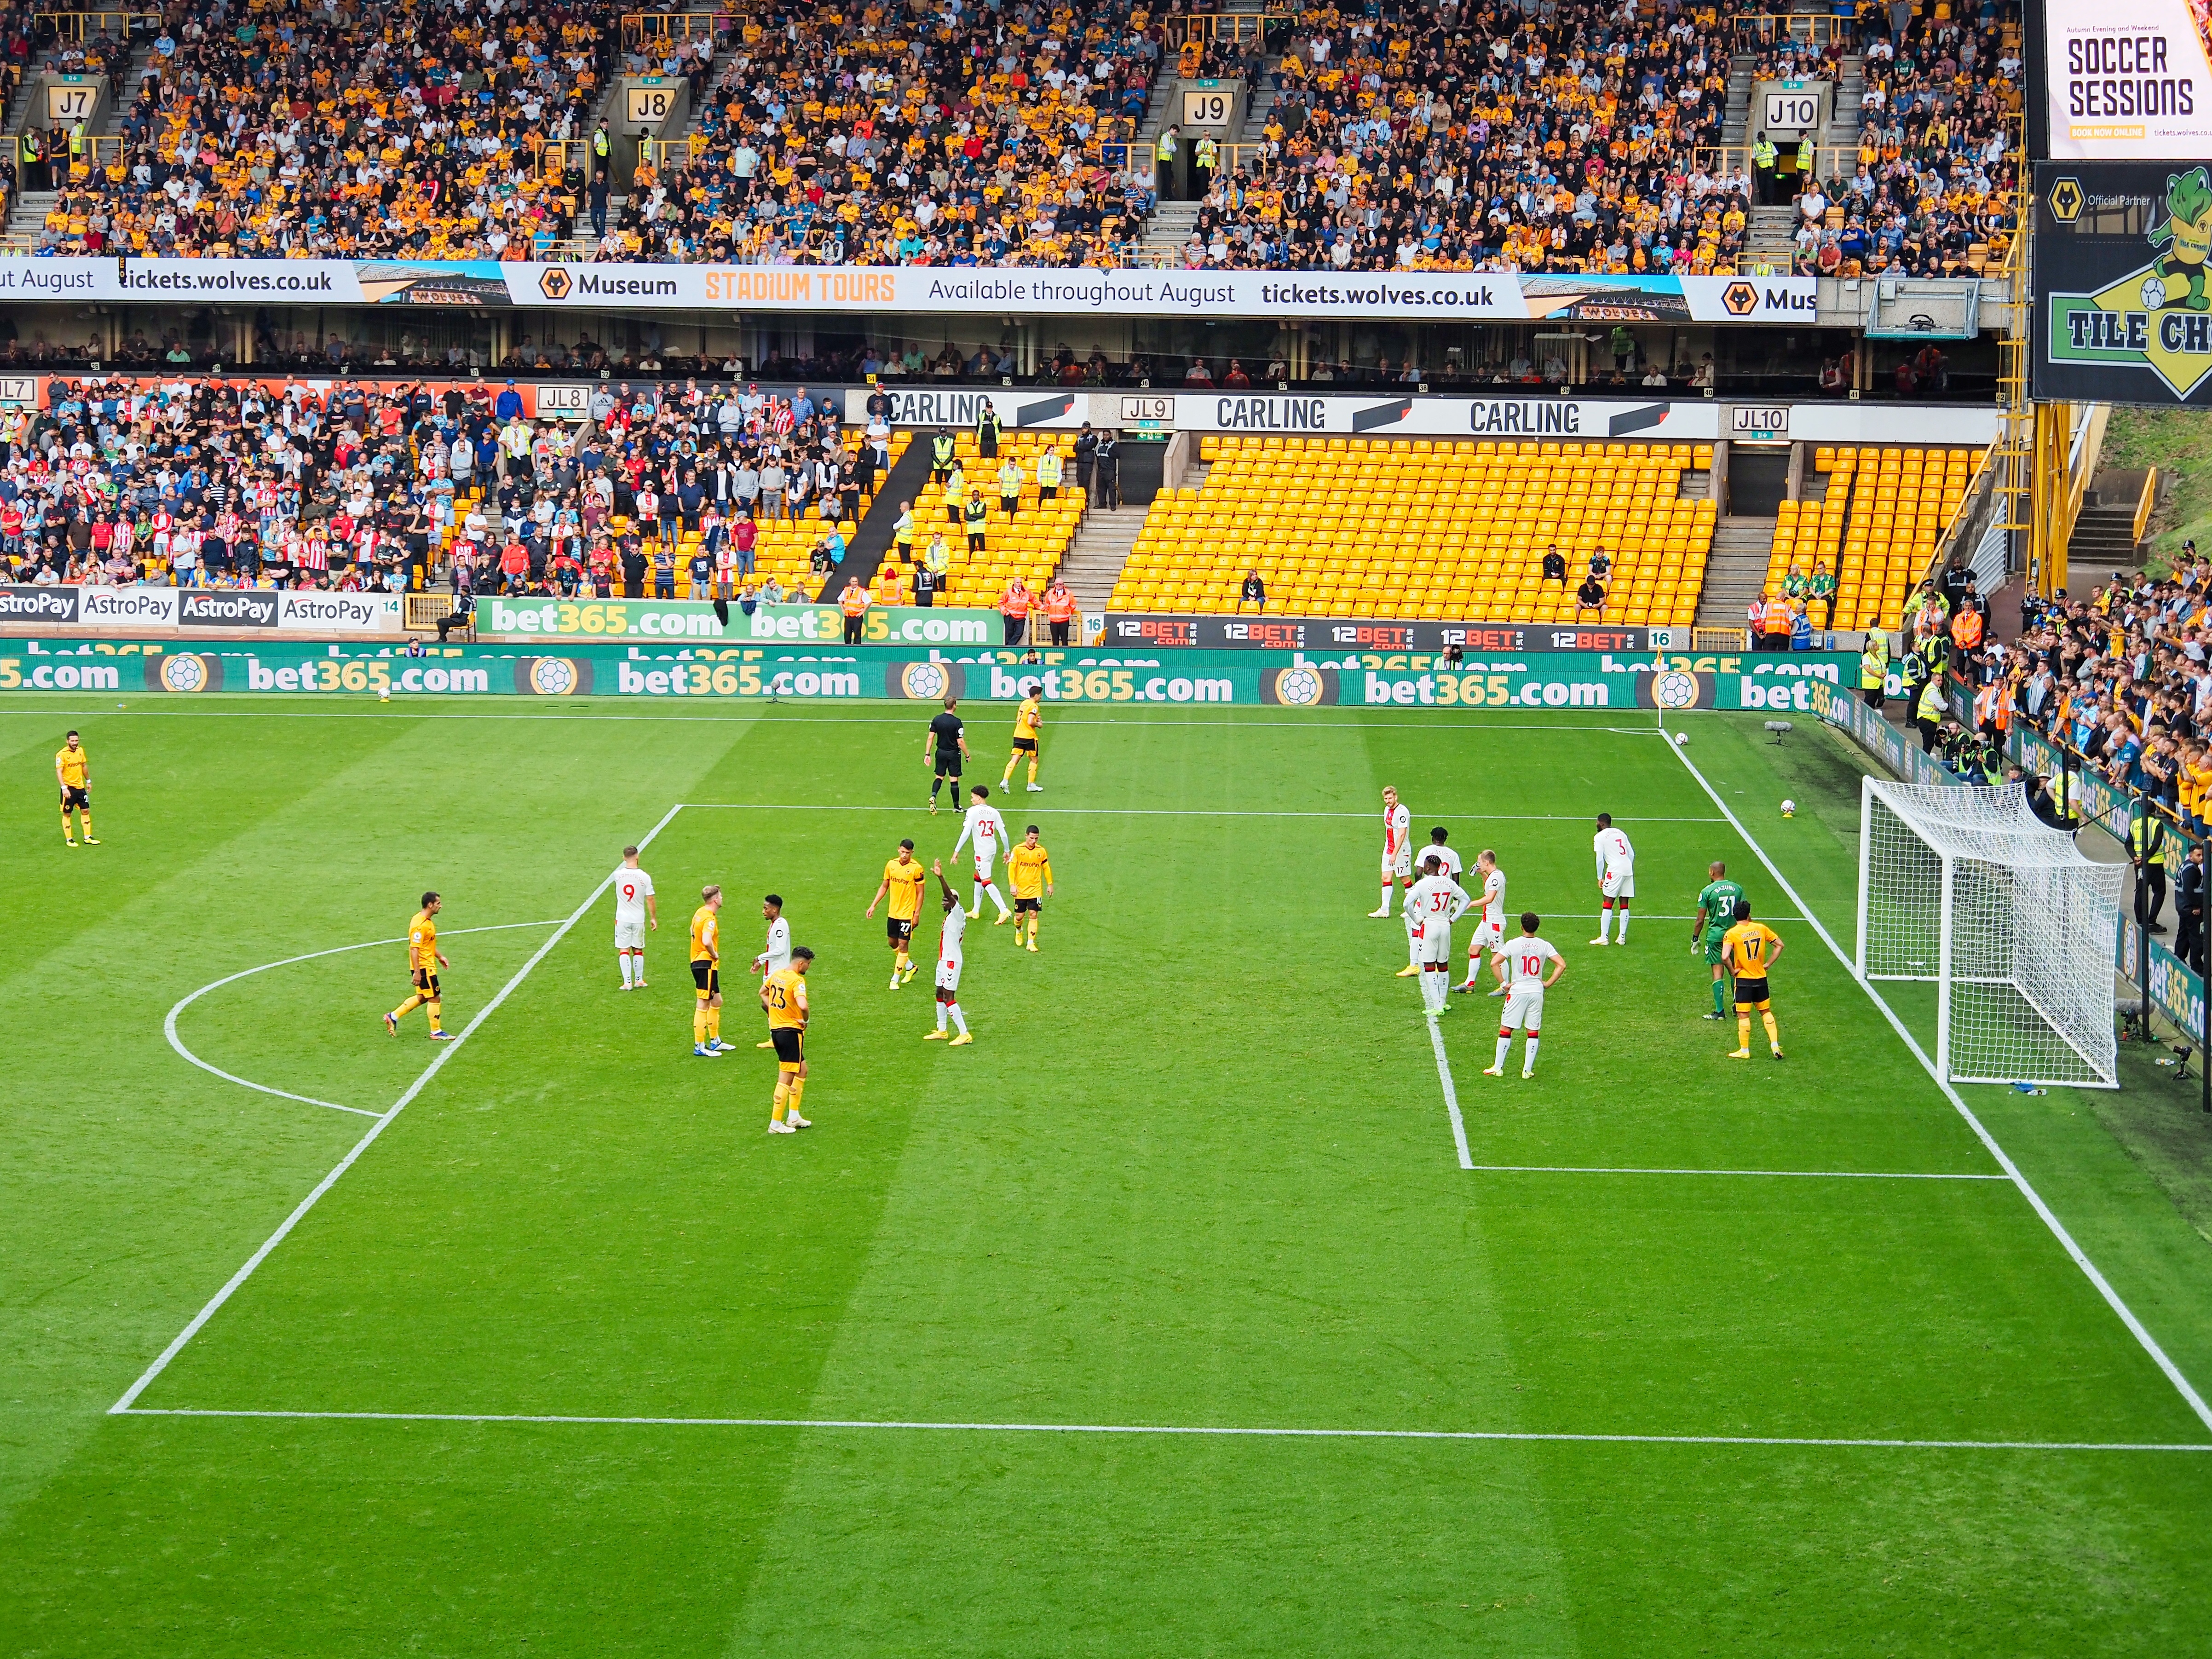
865,290
2122,292
1560,681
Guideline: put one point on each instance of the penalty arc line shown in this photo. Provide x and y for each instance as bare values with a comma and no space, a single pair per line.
422,1082
1198,1429
169,1023
2079,1257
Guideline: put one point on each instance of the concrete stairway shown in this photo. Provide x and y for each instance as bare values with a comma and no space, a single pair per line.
1170,228
1101,548
2104,538
1766,237
1736,115
1736,572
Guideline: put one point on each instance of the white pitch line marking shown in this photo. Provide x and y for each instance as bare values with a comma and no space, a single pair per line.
1198,813
169,1023
1452,1093
723,709
1164,1429
2174,1372
382,1123
1776,1174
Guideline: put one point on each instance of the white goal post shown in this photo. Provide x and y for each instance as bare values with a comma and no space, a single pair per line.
1967,888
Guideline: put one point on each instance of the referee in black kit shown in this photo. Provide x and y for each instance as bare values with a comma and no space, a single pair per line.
946,747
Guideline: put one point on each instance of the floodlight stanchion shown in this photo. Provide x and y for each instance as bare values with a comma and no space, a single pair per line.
1944,978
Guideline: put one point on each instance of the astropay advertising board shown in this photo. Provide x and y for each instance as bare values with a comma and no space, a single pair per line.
2128,80
861,290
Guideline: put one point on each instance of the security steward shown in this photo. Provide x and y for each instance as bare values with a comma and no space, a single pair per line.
2146,845
1874,669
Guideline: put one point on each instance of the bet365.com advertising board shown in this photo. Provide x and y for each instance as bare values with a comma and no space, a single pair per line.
1404,680
2122,291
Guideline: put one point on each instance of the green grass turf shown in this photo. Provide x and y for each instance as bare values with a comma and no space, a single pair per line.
1196,1172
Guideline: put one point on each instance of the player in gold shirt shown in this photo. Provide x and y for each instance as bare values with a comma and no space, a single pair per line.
707,975
903,878
424,959
73,771
783,999
1029,867
1752,949
1027,719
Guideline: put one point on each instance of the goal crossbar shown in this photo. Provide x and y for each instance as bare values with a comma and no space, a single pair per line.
1968,889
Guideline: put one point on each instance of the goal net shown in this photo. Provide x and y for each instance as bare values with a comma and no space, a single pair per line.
1966,888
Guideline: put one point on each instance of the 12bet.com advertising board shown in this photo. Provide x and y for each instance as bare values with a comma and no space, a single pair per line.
1539,682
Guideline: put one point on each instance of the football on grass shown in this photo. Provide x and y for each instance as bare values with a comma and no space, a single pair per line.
1788,809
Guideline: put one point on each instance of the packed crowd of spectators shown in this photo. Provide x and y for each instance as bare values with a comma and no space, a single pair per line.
1931,189
1568,137
946,134
2120,683
412,130
205,483
1576,136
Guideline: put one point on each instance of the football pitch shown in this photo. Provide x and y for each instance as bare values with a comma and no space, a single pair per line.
1205,1305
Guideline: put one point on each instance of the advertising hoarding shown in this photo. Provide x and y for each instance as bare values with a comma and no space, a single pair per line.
2123,295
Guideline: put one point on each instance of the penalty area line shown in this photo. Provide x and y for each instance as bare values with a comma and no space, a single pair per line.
2079,1257
1836,1441
1763,1175
383,1122
1451,1093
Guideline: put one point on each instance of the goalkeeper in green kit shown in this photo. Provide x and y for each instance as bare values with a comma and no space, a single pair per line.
1715,915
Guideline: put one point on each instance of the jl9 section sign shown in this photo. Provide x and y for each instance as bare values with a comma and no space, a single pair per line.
2128,80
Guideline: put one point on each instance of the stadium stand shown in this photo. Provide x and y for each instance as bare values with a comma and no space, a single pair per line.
412,131
976,141
1875,530
212,483
1030,546
1431,529
1570,138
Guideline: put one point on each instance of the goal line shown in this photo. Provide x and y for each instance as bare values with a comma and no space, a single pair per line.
1167,1430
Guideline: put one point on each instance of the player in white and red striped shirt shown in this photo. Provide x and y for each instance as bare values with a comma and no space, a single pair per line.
1397,847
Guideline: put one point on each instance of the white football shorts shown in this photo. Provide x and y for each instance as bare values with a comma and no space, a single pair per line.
948,976
983,864
630,935
1488,936
1524,1008
1402,864
1435,942
1618,884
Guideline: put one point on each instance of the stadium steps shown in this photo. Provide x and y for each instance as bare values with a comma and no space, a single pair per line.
872,538
2104,537
27,217
1735,573
1170,227
1735,114
1843,131
1099,550
1767,236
